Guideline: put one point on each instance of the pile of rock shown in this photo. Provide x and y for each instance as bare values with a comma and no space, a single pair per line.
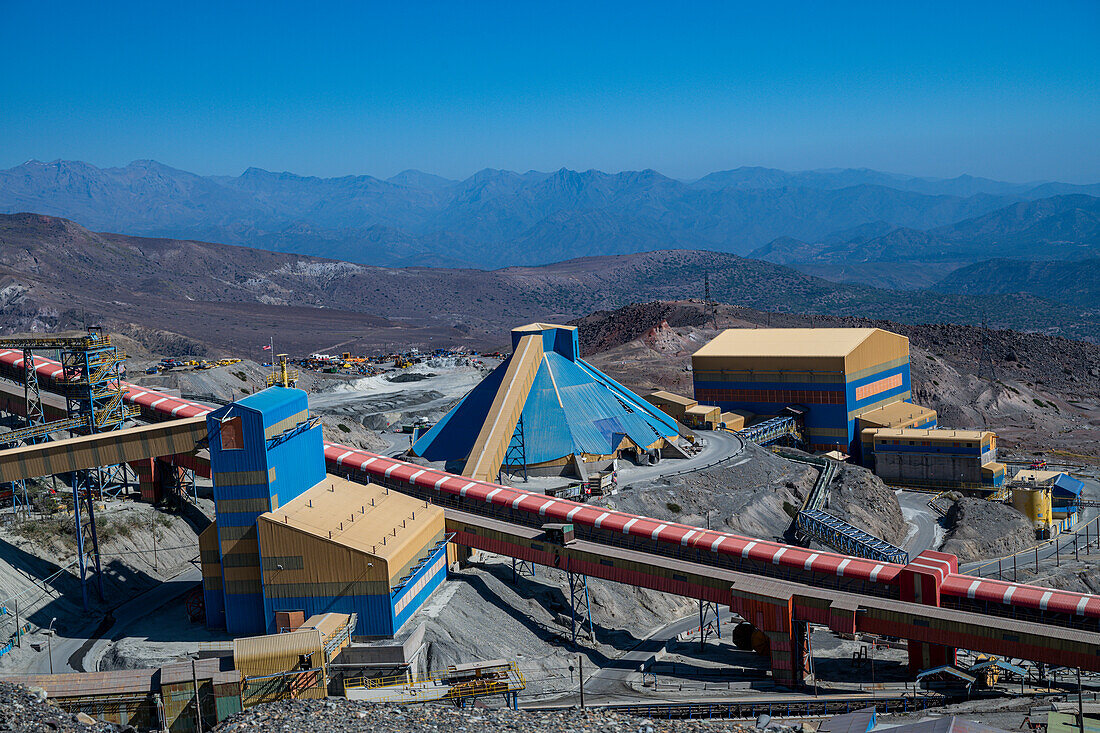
25,710
337,715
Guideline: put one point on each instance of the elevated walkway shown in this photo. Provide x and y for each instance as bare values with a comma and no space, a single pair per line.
816,523
496,433
102,449
771,430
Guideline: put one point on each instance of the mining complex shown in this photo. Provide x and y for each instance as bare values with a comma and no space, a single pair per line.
324,564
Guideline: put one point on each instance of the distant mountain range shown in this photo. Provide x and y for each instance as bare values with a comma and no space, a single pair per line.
499,218
1064,227
1074,283
55,274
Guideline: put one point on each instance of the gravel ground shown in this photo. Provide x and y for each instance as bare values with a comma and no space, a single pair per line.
860,498
981,529
22,711
346,715
757,495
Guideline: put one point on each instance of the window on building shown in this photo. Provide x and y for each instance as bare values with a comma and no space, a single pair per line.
232,434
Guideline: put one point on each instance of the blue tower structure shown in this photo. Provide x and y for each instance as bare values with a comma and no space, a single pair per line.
264,451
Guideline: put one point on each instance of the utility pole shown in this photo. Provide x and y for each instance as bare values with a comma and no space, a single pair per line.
18,630
580,677
1080,704
153,530
198,706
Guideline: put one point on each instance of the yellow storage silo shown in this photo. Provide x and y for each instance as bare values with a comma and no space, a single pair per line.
1034,503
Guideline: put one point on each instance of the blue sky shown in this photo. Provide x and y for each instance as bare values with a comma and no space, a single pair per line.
1002,89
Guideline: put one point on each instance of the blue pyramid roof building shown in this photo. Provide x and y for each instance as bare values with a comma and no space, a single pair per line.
569,409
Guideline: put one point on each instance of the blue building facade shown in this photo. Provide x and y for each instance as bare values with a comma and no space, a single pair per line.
263,452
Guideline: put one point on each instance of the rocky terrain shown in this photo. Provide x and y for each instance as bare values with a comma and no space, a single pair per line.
27,711
757,498
860,498
529,619
979,529
323,716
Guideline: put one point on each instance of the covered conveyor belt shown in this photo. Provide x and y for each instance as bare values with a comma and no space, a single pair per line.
839,610
102,449
496,433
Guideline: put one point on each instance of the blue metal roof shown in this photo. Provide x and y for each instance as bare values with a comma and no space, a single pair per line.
452,438
572,407
1065,484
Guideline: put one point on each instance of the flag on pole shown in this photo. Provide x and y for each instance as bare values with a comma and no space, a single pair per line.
267,348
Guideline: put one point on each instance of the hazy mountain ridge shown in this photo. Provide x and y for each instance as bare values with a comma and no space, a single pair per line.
52,269
1075,283
496,217
1065,227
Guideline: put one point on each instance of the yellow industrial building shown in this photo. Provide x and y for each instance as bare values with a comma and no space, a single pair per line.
347,547
836,374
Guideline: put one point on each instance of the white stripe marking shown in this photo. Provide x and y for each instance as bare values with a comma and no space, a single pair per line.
572,512
745,552
843,564
973,589
688,536
809,564
628,525
491,494
778,554
1007,597
1081,605
656,534
162,399
875,571
340,458
542,509
1044,600
464,489
367,462
599,519
412,479
714,545
516,502
177,408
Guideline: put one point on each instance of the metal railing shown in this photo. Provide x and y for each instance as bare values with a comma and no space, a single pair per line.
749,710
496,680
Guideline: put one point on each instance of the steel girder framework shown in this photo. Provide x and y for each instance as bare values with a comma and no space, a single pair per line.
516,453
710,622
845,538
578,595
92,372
772,430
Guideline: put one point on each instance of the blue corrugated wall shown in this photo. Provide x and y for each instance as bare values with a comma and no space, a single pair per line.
283,472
